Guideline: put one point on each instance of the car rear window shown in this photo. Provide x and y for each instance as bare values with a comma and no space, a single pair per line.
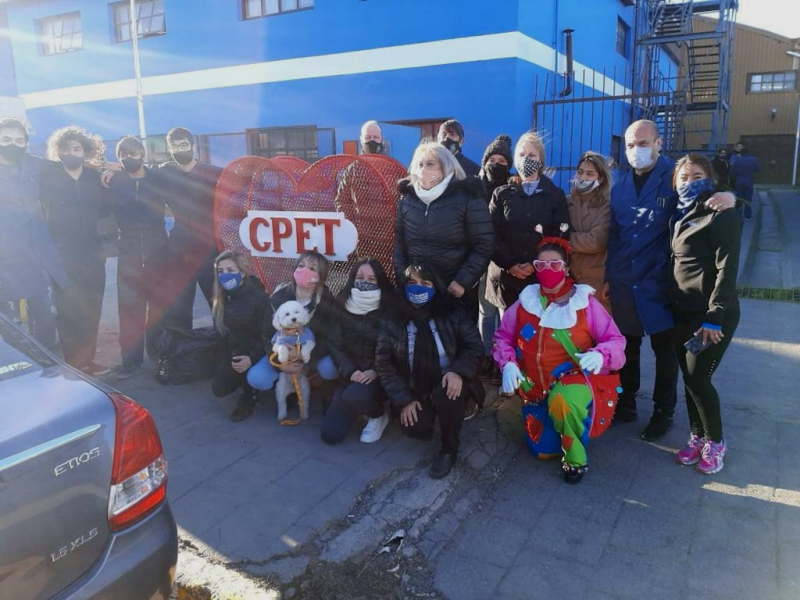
19,353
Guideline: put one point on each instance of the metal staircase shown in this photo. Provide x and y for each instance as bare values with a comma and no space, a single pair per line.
694,117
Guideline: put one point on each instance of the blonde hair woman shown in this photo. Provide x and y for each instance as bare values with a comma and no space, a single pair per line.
442,221
238,311
523,212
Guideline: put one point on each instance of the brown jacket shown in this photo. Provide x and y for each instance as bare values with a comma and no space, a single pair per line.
589,240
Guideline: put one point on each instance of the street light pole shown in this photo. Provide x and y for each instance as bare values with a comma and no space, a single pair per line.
137,72
796,55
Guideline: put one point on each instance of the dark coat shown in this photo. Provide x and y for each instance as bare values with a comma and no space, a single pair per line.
353,341
326,313
705,262
246,307
453,234
471,168
29,262
515,216
461,342
722,168
744,168
637,267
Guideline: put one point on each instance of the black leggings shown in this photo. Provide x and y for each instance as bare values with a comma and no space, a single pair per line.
348,403
451,418
226,380
702,399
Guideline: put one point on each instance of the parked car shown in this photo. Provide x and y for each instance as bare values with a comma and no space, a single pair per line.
83,483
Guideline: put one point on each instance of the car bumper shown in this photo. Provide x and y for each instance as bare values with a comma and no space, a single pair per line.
138,563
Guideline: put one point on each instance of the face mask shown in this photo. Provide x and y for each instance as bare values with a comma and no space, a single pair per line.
528,166
451,145
132,164
429,178
365,286
497,172
419,295
551,279
640,157
230,281
691,190
584,186
305,278
184,157
71,162
12,152
373,147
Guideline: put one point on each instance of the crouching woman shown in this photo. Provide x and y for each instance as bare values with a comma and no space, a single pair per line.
425,357
239,305
550,343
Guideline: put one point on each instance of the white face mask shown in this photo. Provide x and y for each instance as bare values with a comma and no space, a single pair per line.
640,157
584,186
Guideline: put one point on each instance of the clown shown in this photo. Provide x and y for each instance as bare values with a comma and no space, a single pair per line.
557,346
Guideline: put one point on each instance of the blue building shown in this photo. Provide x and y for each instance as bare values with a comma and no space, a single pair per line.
299,77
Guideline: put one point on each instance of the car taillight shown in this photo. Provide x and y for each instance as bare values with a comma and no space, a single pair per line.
139,474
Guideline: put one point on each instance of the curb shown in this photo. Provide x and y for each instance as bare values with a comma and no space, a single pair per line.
198,579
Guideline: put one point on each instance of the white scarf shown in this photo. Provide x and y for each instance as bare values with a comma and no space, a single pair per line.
428,196
361,303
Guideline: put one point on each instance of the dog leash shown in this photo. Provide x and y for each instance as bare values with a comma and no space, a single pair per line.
296,382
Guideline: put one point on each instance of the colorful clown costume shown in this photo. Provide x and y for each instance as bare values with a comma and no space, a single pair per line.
560,400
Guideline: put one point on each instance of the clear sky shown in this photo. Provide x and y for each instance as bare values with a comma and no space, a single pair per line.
779,16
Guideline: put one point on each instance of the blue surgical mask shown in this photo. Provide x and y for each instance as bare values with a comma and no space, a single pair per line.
230,281
419,295
365,286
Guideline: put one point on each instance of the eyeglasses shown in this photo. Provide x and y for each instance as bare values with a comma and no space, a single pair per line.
181,147
553,265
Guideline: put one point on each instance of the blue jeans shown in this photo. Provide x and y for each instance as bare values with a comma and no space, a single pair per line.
262,375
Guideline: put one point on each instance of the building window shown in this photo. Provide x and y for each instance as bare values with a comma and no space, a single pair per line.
60,34
149,19
284,141
623,38
255,9
762,83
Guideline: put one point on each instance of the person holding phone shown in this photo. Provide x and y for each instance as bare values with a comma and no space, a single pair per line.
705,262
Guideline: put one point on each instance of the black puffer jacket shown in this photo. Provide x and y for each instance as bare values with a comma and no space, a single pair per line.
515,216
246,308
453,233
325,314
461,342
353,341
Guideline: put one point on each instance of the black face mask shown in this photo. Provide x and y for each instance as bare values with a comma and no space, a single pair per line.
12,152
132,164
451,145
184,157
71,162
373,147
497,172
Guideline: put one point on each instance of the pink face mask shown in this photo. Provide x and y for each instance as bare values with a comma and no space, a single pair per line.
305,278
551,279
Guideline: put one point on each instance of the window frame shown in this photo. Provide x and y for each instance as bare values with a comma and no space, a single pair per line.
117,27
623,25
43,42
794,73
264,14
259,143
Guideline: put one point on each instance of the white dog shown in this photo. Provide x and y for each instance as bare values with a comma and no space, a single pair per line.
292,337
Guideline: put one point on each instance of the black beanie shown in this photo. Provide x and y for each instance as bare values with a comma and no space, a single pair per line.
502,146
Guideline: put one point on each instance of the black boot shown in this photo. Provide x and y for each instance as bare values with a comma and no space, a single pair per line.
442,465
660,423
573,474
625,411
246,405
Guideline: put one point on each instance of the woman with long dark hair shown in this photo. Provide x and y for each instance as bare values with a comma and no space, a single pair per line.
366,298
705,264
238,308
426,356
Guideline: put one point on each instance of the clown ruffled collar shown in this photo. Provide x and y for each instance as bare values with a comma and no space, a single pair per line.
556,316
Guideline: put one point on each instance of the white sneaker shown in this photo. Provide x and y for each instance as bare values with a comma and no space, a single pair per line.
373,430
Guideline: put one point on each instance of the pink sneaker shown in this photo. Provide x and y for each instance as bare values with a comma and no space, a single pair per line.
690,454
711,457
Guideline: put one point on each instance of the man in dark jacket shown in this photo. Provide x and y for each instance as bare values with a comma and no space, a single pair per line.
189,187
722,166
451,136
143,273
744,167
643,201
452,232
29,263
